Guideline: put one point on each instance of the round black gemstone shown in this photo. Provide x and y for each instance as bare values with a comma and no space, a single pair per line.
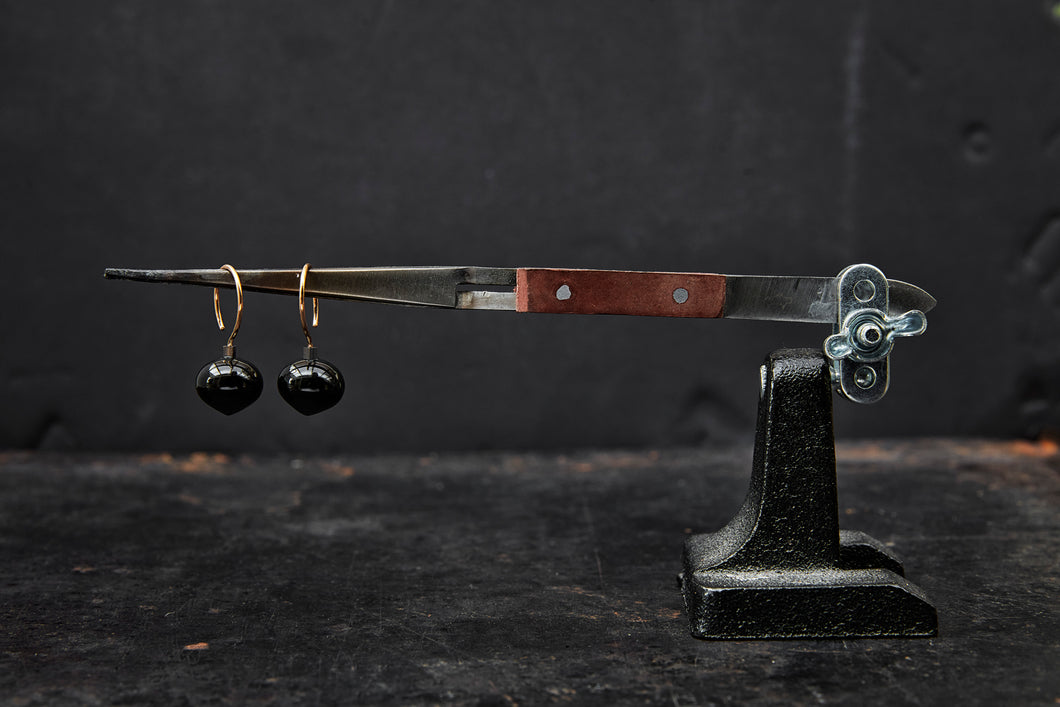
228,384
311,385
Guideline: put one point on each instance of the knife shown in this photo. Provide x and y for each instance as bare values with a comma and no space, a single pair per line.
558,291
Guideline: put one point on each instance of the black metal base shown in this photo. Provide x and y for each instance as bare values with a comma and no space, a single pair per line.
782,568
824,603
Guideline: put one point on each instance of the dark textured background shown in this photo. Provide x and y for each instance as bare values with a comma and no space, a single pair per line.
755,137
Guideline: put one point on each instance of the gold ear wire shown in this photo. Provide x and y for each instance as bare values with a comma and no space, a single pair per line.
301,305
239,305
311,384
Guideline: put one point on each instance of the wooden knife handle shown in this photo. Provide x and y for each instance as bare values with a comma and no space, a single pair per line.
646,294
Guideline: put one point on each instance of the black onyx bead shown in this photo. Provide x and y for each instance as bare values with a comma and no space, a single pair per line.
228,384
311,385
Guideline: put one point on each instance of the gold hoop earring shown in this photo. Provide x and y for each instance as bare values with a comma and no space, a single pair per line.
229,384
311,384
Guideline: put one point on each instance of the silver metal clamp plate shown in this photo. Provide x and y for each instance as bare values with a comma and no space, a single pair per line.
863,334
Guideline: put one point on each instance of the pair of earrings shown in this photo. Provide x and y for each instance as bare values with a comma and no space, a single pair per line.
309,385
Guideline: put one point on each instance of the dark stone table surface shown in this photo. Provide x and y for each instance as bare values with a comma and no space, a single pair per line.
497,579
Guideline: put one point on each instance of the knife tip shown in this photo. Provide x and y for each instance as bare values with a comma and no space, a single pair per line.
931,302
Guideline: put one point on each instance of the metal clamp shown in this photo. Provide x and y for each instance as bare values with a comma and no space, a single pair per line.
864,334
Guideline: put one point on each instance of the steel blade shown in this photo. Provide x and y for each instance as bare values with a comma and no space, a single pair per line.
414,286
805,299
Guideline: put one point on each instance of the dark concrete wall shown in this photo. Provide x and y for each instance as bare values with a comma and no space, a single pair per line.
754,137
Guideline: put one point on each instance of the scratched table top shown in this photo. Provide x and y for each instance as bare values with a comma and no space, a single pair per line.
497,579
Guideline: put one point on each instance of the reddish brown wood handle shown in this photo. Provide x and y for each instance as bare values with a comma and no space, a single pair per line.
648,294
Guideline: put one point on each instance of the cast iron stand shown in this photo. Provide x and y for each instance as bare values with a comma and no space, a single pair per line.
782,568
